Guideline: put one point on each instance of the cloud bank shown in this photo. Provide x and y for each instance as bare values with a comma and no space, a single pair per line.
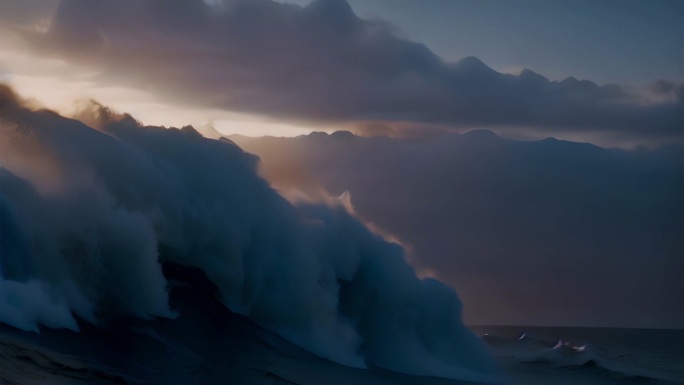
322,63
529,232
90,214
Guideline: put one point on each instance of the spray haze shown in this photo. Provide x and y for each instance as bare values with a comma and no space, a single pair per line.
600,229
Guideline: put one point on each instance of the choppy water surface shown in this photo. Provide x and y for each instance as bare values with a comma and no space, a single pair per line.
535,355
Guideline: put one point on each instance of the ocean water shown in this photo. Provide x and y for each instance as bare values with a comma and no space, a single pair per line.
229,349
552,355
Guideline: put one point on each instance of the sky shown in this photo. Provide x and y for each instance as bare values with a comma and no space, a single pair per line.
296,67
411,76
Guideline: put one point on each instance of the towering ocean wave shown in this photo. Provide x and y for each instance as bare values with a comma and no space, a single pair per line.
92,208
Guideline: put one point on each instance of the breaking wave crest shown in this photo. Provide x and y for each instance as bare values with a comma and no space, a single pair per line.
90,211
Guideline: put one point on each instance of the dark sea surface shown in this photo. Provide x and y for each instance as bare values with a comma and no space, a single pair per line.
232,350
561,355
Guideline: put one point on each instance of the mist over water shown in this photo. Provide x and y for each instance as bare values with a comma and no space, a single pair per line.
91,211
537,232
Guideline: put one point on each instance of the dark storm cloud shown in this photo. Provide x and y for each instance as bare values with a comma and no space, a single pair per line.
323,63
542,232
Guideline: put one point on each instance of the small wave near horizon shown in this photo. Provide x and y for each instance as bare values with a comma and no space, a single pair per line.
588,355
